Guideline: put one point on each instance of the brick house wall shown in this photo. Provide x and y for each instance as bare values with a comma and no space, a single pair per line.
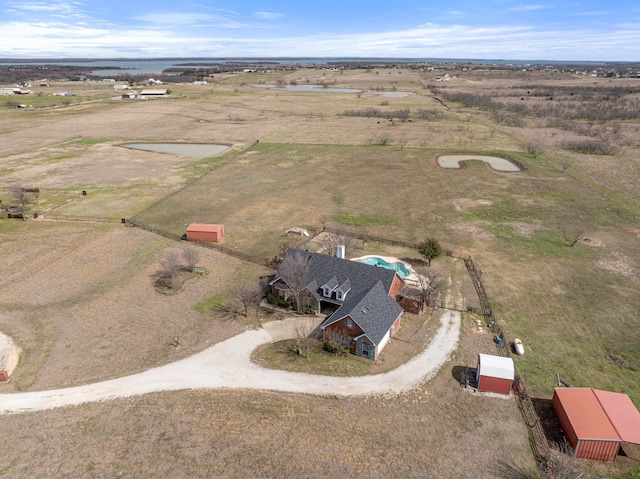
339,331
396,286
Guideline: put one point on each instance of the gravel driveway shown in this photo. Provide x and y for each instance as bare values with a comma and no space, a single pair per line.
228,365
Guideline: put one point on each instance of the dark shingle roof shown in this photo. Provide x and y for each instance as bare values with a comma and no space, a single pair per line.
374,311
368,302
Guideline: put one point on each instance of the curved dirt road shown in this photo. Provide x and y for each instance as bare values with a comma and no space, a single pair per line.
228,365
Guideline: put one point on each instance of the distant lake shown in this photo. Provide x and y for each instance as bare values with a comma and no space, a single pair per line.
158,65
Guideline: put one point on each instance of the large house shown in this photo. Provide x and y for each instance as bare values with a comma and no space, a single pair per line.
359,299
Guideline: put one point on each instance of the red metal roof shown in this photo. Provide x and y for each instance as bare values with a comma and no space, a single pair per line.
622,413
586,415
204,227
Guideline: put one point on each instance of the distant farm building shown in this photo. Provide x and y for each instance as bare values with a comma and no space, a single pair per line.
207,233
495,374
596,422
154,92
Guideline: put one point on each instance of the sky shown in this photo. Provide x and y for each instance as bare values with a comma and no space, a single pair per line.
557,30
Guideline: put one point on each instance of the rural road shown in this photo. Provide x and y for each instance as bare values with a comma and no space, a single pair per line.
227,365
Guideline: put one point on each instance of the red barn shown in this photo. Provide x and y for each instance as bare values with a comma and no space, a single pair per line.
205,232
594,422
495,374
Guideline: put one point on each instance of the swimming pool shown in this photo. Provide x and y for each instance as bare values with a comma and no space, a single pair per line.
399,268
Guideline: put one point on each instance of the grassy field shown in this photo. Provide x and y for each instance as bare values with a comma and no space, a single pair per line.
77,295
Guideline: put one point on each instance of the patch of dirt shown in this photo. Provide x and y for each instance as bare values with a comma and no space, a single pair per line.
595,242
523,229
471,229
618,264
461,204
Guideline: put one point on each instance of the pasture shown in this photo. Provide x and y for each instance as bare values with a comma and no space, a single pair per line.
78,296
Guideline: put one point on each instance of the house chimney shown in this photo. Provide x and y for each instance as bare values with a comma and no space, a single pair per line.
340,251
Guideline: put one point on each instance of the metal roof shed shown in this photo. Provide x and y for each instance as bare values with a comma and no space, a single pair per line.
622,413
585,424
206,233
495,374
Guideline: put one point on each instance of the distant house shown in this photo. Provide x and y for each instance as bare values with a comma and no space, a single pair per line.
359,299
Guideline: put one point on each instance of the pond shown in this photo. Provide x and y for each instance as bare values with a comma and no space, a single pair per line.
495,162
192,150
392,94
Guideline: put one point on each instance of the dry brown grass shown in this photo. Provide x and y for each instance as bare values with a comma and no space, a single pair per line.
79,298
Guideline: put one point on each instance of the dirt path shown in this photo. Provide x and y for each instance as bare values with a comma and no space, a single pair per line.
228,365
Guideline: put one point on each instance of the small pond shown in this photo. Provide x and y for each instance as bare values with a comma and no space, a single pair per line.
495,162
192,150
391,94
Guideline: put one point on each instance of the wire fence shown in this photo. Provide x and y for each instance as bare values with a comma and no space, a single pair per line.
228,251
537,438
379,239
77,218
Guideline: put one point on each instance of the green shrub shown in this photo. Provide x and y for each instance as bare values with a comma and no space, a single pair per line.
283,302
334,347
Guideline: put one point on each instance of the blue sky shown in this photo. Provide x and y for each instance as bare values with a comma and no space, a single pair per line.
476,29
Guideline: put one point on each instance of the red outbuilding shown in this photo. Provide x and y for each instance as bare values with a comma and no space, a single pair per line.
205,232
495,374
595,422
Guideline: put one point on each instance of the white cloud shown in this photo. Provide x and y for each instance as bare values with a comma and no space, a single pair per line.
61,39
48,7
589,14
528,8
266,15
166,19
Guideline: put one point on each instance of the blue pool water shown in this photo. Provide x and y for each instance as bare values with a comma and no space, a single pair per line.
401,269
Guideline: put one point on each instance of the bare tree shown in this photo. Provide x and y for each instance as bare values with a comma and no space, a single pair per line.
382,139
332,240
402,142
573,236
242,297
170,267
191,256
429,283
304,340
21,197
323,220
293,270
565,165
247,294
532,149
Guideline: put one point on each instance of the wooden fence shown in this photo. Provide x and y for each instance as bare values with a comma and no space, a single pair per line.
378,239
228,251
537,438
88,219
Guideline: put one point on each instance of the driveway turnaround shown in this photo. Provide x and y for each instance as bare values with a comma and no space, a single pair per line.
228,365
